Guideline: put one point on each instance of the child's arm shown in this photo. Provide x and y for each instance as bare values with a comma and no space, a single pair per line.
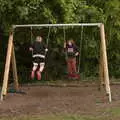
76,50
31,47
77,53
45,47
65,46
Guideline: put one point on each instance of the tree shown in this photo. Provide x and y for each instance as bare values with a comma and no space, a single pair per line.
64,11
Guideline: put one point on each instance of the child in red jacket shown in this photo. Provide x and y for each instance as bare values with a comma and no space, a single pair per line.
72,52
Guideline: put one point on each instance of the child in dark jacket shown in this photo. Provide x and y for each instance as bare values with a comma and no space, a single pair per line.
39,50
72,52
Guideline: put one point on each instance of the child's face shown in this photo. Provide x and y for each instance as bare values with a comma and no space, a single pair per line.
69,43
39,39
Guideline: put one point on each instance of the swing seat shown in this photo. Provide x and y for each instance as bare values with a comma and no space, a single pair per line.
74,76
16,91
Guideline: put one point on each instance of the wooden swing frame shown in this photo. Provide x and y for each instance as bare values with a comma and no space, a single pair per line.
10,58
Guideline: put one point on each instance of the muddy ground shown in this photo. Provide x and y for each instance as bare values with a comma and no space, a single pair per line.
44,100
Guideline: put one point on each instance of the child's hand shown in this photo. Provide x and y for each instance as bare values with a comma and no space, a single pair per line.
76,54
64,44
46,50
31,49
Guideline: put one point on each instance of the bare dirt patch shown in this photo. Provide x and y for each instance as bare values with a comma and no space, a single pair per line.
44,100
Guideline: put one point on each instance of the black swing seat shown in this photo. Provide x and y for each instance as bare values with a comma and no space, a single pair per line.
16,91
74,76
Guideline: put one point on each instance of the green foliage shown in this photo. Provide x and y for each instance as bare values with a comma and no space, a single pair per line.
67,11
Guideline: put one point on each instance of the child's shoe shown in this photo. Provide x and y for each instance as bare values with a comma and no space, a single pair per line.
70,76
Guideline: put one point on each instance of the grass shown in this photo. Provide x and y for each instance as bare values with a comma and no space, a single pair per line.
65,117
107,114
50,118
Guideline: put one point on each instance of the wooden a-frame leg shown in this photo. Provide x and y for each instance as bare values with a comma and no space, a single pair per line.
7,66
14,68
101,70
105,63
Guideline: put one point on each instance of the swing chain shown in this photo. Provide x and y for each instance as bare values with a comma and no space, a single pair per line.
65,42
48,37
64,34
31,38
81,40
31,34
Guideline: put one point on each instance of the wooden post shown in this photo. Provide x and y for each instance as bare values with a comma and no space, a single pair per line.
105,64
7,66
15,76
101,68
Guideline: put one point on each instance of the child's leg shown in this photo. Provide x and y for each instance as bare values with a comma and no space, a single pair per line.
42,65
69,67
35,65
74,69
